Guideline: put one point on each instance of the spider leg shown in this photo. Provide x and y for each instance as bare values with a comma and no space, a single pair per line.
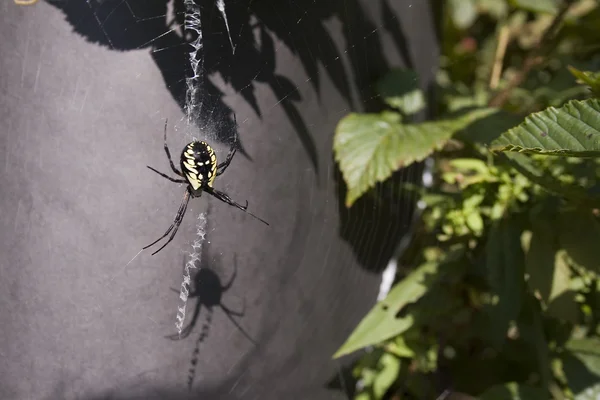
167,176
223,166
230,314
226,199
175,225
169,153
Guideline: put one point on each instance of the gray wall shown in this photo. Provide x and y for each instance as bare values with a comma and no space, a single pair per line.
84,91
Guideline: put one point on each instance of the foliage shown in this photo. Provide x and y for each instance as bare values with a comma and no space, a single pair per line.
501,298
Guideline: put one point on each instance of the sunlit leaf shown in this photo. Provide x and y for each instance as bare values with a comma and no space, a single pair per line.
536,6
383,322
464,13
388,373
514,391
571,130
400,89
370,147
561,303
581,365
400,348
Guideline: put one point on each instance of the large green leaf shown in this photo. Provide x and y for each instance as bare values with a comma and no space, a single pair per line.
383,321
505,269
400,89
514,391
370,147
571,130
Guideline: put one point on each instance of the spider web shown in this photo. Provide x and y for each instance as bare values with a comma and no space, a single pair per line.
197,49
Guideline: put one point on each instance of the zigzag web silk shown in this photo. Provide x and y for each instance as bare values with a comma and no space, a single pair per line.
193,25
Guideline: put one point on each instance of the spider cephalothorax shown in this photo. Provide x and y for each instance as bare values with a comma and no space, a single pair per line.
199,168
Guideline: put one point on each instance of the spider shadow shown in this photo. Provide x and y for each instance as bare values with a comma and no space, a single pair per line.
302,27
208,291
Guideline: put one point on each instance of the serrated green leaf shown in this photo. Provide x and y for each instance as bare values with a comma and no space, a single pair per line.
514,391
400,89
579,235
536,6
383,322
505,269
589,78
370,147
571,130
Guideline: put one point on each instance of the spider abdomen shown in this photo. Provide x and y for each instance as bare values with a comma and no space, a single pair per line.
199,164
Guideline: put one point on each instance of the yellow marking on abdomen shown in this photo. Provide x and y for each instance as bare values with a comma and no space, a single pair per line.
190,167
195,182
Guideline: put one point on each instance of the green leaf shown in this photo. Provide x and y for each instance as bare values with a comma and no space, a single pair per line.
581,365
549,273
370,147
571,130
514,391
579,236
561,302
505,268
400,348
536,6
383,322
592,79
388,373
540,259
400,89
464,13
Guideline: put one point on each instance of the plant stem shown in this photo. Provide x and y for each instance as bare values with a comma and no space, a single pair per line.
534,58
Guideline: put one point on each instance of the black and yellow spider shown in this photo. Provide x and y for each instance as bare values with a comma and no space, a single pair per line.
200,168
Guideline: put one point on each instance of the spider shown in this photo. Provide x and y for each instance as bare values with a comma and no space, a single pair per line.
199,163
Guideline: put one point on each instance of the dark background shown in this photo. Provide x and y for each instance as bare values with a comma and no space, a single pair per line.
85,87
